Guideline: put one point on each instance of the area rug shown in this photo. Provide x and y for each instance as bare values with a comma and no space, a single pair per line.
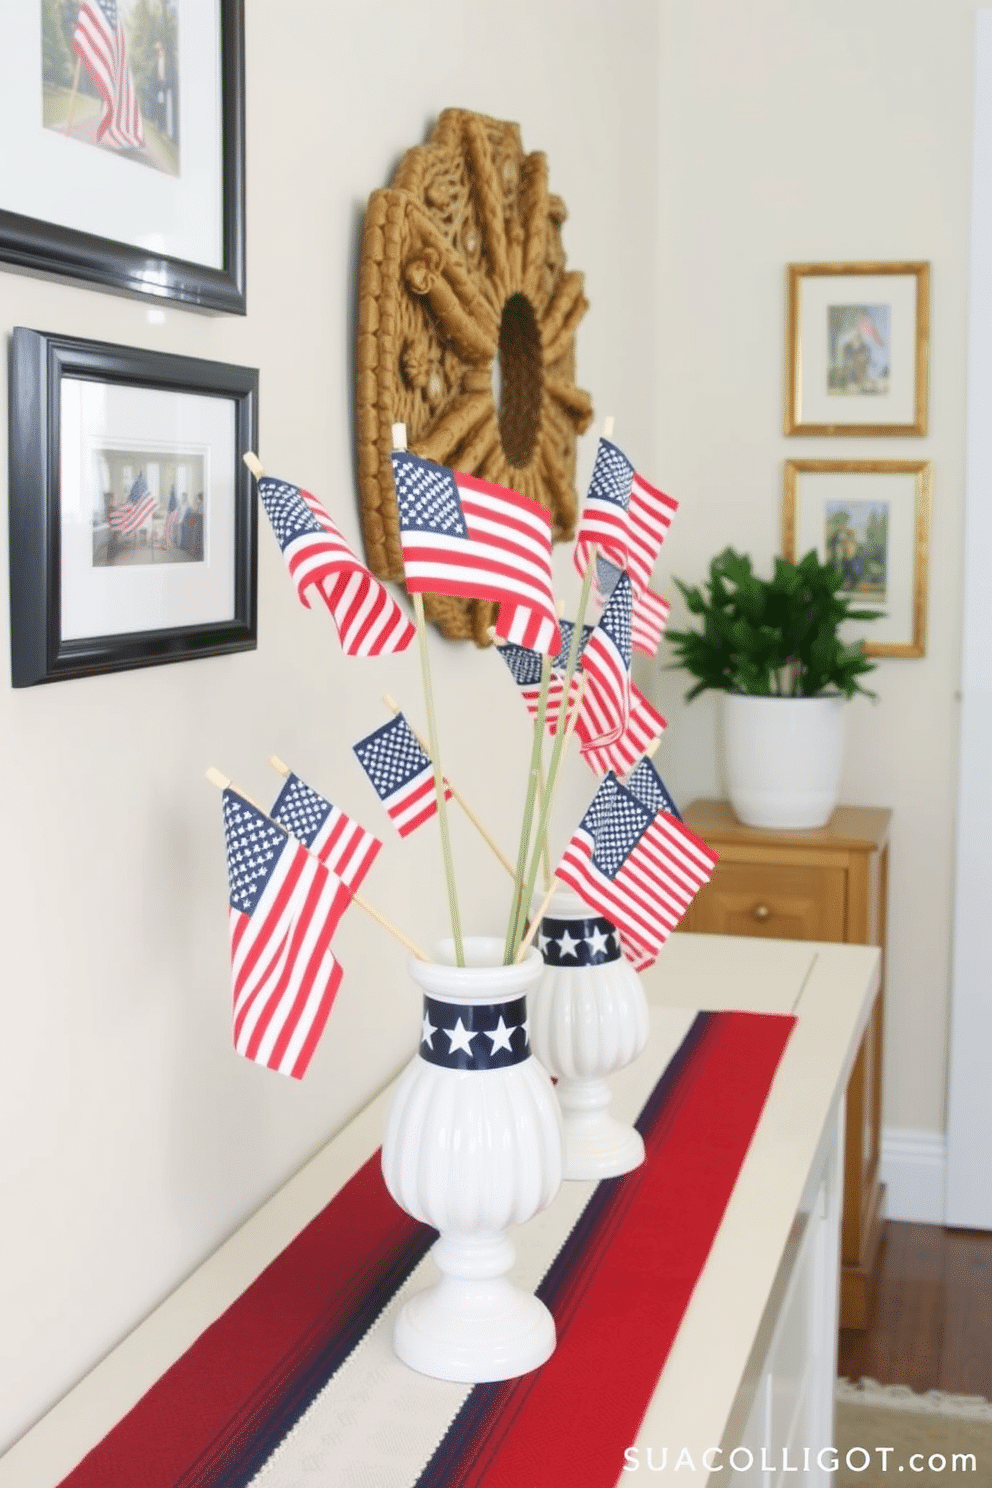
886,1430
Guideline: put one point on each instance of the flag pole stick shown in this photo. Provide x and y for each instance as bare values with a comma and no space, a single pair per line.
528,816
560,739
223,782
399,443
538,916
479,826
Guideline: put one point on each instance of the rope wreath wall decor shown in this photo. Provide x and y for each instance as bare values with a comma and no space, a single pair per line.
463,284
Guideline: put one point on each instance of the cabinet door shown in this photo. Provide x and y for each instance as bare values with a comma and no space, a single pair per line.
789,902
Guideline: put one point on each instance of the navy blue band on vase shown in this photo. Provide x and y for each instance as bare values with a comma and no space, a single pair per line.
475,1036
590,942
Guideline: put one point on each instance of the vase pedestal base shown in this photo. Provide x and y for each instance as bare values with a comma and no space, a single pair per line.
474,1326
596,1144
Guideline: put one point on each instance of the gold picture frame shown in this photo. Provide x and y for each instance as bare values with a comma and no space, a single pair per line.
873,518
859,348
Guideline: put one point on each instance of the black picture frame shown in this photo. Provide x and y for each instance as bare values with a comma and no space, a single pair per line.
52,248
39,364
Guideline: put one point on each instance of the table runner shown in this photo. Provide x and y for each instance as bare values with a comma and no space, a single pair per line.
216,1416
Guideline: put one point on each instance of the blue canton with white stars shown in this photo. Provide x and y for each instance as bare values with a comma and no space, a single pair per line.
567,628
616,619
649,788
109,8
301,809
427,497
391,756
253,849
607,575
585,942
620,832
287,511
612,476
524,664
475,1036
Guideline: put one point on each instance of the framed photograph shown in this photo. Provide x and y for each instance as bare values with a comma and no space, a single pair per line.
859,348
129,167
872,517
133,526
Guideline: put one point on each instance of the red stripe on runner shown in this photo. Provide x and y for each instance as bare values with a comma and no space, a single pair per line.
620,1310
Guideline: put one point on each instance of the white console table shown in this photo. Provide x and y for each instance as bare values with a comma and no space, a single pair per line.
752,1369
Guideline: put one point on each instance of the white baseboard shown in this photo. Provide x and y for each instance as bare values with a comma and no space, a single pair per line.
913,1166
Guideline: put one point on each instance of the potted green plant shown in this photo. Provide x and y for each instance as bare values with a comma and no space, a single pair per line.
773,648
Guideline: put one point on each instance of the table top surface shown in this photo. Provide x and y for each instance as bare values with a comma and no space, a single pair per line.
830,988
864,828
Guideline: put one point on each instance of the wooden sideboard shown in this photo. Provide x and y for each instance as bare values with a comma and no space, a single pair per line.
826,885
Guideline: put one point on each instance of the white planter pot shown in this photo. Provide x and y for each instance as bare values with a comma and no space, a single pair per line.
473,1144
589,1017
783,759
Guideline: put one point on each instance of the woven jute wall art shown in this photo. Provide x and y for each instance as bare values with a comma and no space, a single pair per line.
463,267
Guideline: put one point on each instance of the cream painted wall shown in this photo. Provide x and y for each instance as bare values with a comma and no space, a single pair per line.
794,131
134,1139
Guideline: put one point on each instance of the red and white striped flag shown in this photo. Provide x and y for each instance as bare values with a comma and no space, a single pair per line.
341,843
651,513
639,868
135,511
606,514
401,773
649,620
525,668
285,907
466,536
368,619
99,43
644,725
606,665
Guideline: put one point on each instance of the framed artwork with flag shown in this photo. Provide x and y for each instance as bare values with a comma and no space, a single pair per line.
859,348
133,525
128,169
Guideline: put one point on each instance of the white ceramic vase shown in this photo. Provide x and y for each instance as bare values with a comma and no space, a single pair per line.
473,1144
783,759
589,1017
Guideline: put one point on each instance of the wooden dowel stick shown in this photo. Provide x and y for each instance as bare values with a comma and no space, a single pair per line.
254,464
223,782
479,826
435,754
560,739
538,916
608,423
517,908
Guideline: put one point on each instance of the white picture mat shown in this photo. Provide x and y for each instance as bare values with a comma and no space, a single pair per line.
88,189
817,292
107,600
899,489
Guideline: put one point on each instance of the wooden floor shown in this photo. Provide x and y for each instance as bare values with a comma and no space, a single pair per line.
931,1317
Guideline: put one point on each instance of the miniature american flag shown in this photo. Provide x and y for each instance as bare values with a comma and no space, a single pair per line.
401,773
606,664
639,868
285,906
368,619
644,725
606,514
99,43
651,513
525,669
648,623
340,842
465,536
135,511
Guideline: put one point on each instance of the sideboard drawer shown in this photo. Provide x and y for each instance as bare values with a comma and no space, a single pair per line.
790,902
